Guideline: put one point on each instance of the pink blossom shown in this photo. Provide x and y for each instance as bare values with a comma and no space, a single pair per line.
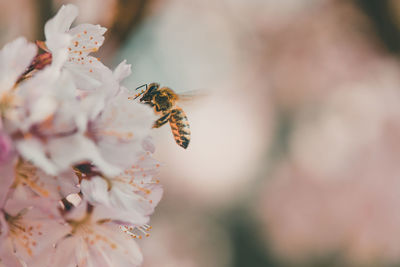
93,241
69,132
29,226
5,147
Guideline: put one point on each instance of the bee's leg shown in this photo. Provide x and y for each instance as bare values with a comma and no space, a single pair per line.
161,121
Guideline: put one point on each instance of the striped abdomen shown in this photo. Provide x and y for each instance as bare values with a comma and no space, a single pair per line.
180,127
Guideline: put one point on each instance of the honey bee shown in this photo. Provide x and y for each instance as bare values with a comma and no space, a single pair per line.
163,101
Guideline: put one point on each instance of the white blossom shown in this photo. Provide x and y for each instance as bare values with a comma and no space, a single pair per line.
93,241
129,197
86,71
78,178
29,225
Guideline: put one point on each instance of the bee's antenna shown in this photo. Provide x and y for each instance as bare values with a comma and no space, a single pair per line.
138,94
142,86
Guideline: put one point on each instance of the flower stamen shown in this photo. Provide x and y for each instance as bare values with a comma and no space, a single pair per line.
136,231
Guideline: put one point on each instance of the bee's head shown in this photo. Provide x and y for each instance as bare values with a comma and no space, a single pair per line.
147,95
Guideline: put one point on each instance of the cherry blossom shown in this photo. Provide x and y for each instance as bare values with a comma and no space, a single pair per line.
77,173
94,240
129,197
86,71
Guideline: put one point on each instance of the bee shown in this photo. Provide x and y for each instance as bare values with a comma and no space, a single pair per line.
163,101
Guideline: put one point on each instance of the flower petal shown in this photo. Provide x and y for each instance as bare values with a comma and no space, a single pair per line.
122,71
55,29
15,57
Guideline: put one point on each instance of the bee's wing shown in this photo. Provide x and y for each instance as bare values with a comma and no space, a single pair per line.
193,95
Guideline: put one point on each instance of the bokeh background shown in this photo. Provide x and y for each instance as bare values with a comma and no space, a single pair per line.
295,151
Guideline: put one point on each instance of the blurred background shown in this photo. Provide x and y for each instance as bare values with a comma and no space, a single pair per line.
295,151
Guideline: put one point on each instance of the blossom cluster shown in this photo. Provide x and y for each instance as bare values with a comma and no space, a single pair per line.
76,169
